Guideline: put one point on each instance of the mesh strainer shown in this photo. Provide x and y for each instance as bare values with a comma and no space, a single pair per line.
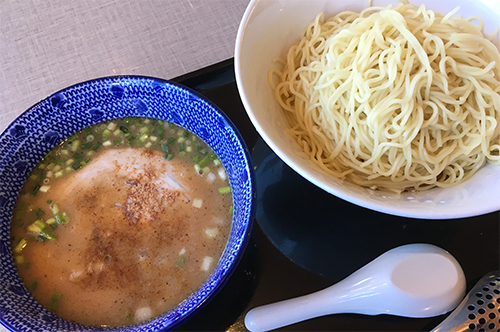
479,310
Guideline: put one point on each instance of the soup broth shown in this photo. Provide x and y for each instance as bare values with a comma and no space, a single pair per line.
121,222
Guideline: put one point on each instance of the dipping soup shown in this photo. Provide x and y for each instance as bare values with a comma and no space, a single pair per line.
121,222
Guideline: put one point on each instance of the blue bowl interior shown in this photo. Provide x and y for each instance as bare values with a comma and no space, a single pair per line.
25,141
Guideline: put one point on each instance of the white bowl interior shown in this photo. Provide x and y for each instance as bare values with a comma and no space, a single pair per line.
269,28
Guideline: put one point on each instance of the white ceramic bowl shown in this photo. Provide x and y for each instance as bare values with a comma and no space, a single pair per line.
269,28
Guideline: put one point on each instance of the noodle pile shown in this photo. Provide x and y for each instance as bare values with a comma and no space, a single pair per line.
397,98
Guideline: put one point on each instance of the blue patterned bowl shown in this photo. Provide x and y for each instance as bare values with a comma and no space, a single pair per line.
25,141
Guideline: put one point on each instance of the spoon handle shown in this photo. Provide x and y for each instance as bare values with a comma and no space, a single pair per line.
275,315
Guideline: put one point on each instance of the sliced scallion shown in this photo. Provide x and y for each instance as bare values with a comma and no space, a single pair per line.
54,208
97,146
165,148
20,245
48,234
124,129
224,190
35,189
33,286
19,259
204,161
181,262
76,165
54,301
39,213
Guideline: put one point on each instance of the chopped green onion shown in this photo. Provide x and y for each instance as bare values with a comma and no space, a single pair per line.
231,209
77,156
196,158
181,261
88,131
224,190
97,146
39,213
170,140
54,301
204,161
19,259
124,129
39,223
35,189
197,168
86,146
49,201
62,218
144,130
50,221
76,165
186,134
33,286
75,145
54,209
181,147
106,133
34,229
19,215
168,156
206,170
20,246
117,132
158,130
48,234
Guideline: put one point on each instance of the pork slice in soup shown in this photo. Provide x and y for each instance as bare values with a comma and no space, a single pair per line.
140,234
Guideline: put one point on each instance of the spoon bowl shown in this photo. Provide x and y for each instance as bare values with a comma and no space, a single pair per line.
415,280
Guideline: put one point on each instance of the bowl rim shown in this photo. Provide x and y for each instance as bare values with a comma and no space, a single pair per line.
248,222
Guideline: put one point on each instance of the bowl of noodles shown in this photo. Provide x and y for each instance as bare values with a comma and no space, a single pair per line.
126,204
393,106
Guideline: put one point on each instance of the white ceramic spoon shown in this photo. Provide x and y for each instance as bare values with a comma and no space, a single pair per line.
415,280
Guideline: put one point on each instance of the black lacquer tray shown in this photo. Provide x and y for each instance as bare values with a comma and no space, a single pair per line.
305,239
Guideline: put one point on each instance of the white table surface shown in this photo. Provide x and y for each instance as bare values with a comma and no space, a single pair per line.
47,45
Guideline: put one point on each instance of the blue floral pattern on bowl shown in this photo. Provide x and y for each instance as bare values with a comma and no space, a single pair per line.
34,133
